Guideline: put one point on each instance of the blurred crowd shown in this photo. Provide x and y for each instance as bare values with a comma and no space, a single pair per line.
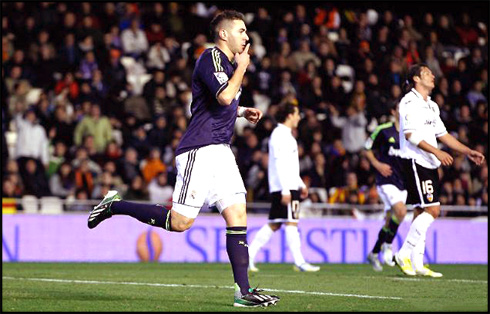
96,96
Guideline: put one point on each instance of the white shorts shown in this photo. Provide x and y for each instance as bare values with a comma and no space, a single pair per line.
390,195
207,175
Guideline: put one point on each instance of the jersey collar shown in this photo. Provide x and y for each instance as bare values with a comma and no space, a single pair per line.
225,56
420,95
283,126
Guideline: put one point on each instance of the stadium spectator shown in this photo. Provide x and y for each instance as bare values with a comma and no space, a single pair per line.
81,197
159,189
109,17
102,185
158,56
152,165
140,142
62,183
175,20
134,41
467,32
84,178
129,165
95,124
427,26
256,178
88,65
350,193
32,141
263,25
353,126
415,35
117,181
433,62
81,155
475,94
317,174
9,190
137,190
57,157
445,32
34,179
89,28
19,59
301,56
158,135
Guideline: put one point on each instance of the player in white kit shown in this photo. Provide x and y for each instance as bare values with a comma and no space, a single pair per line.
286,188
420,129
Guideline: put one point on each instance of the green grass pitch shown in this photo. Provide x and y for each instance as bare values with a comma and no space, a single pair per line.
66,287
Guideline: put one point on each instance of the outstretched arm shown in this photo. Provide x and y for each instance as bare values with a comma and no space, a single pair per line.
475,156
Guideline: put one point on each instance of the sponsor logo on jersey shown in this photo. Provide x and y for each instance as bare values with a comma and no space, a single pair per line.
430,122
221,77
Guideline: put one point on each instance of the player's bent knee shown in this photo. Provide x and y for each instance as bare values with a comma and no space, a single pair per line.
180,223
235,215
400,211
181,226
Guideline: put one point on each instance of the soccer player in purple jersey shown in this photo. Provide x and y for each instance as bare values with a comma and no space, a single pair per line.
207,173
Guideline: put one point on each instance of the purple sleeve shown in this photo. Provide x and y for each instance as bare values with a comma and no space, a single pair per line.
213,73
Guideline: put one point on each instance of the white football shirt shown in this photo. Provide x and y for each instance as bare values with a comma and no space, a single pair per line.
418,115
283,161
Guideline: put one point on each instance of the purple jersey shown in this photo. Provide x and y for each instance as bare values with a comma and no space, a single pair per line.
211,123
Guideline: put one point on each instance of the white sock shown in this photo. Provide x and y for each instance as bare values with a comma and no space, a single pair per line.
418,254
294,244
417,230
261,238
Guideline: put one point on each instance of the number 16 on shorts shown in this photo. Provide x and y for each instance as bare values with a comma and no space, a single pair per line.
428,190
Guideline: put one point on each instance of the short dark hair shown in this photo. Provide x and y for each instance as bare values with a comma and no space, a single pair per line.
284,110
225,15
413,71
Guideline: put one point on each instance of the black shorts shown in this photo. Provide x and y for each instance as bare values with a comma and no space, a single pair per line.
282,213
422,184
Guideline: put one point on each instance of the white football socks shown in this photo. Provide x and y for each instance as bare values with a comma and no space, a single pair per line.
418,254
417,230
294,243
261,238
